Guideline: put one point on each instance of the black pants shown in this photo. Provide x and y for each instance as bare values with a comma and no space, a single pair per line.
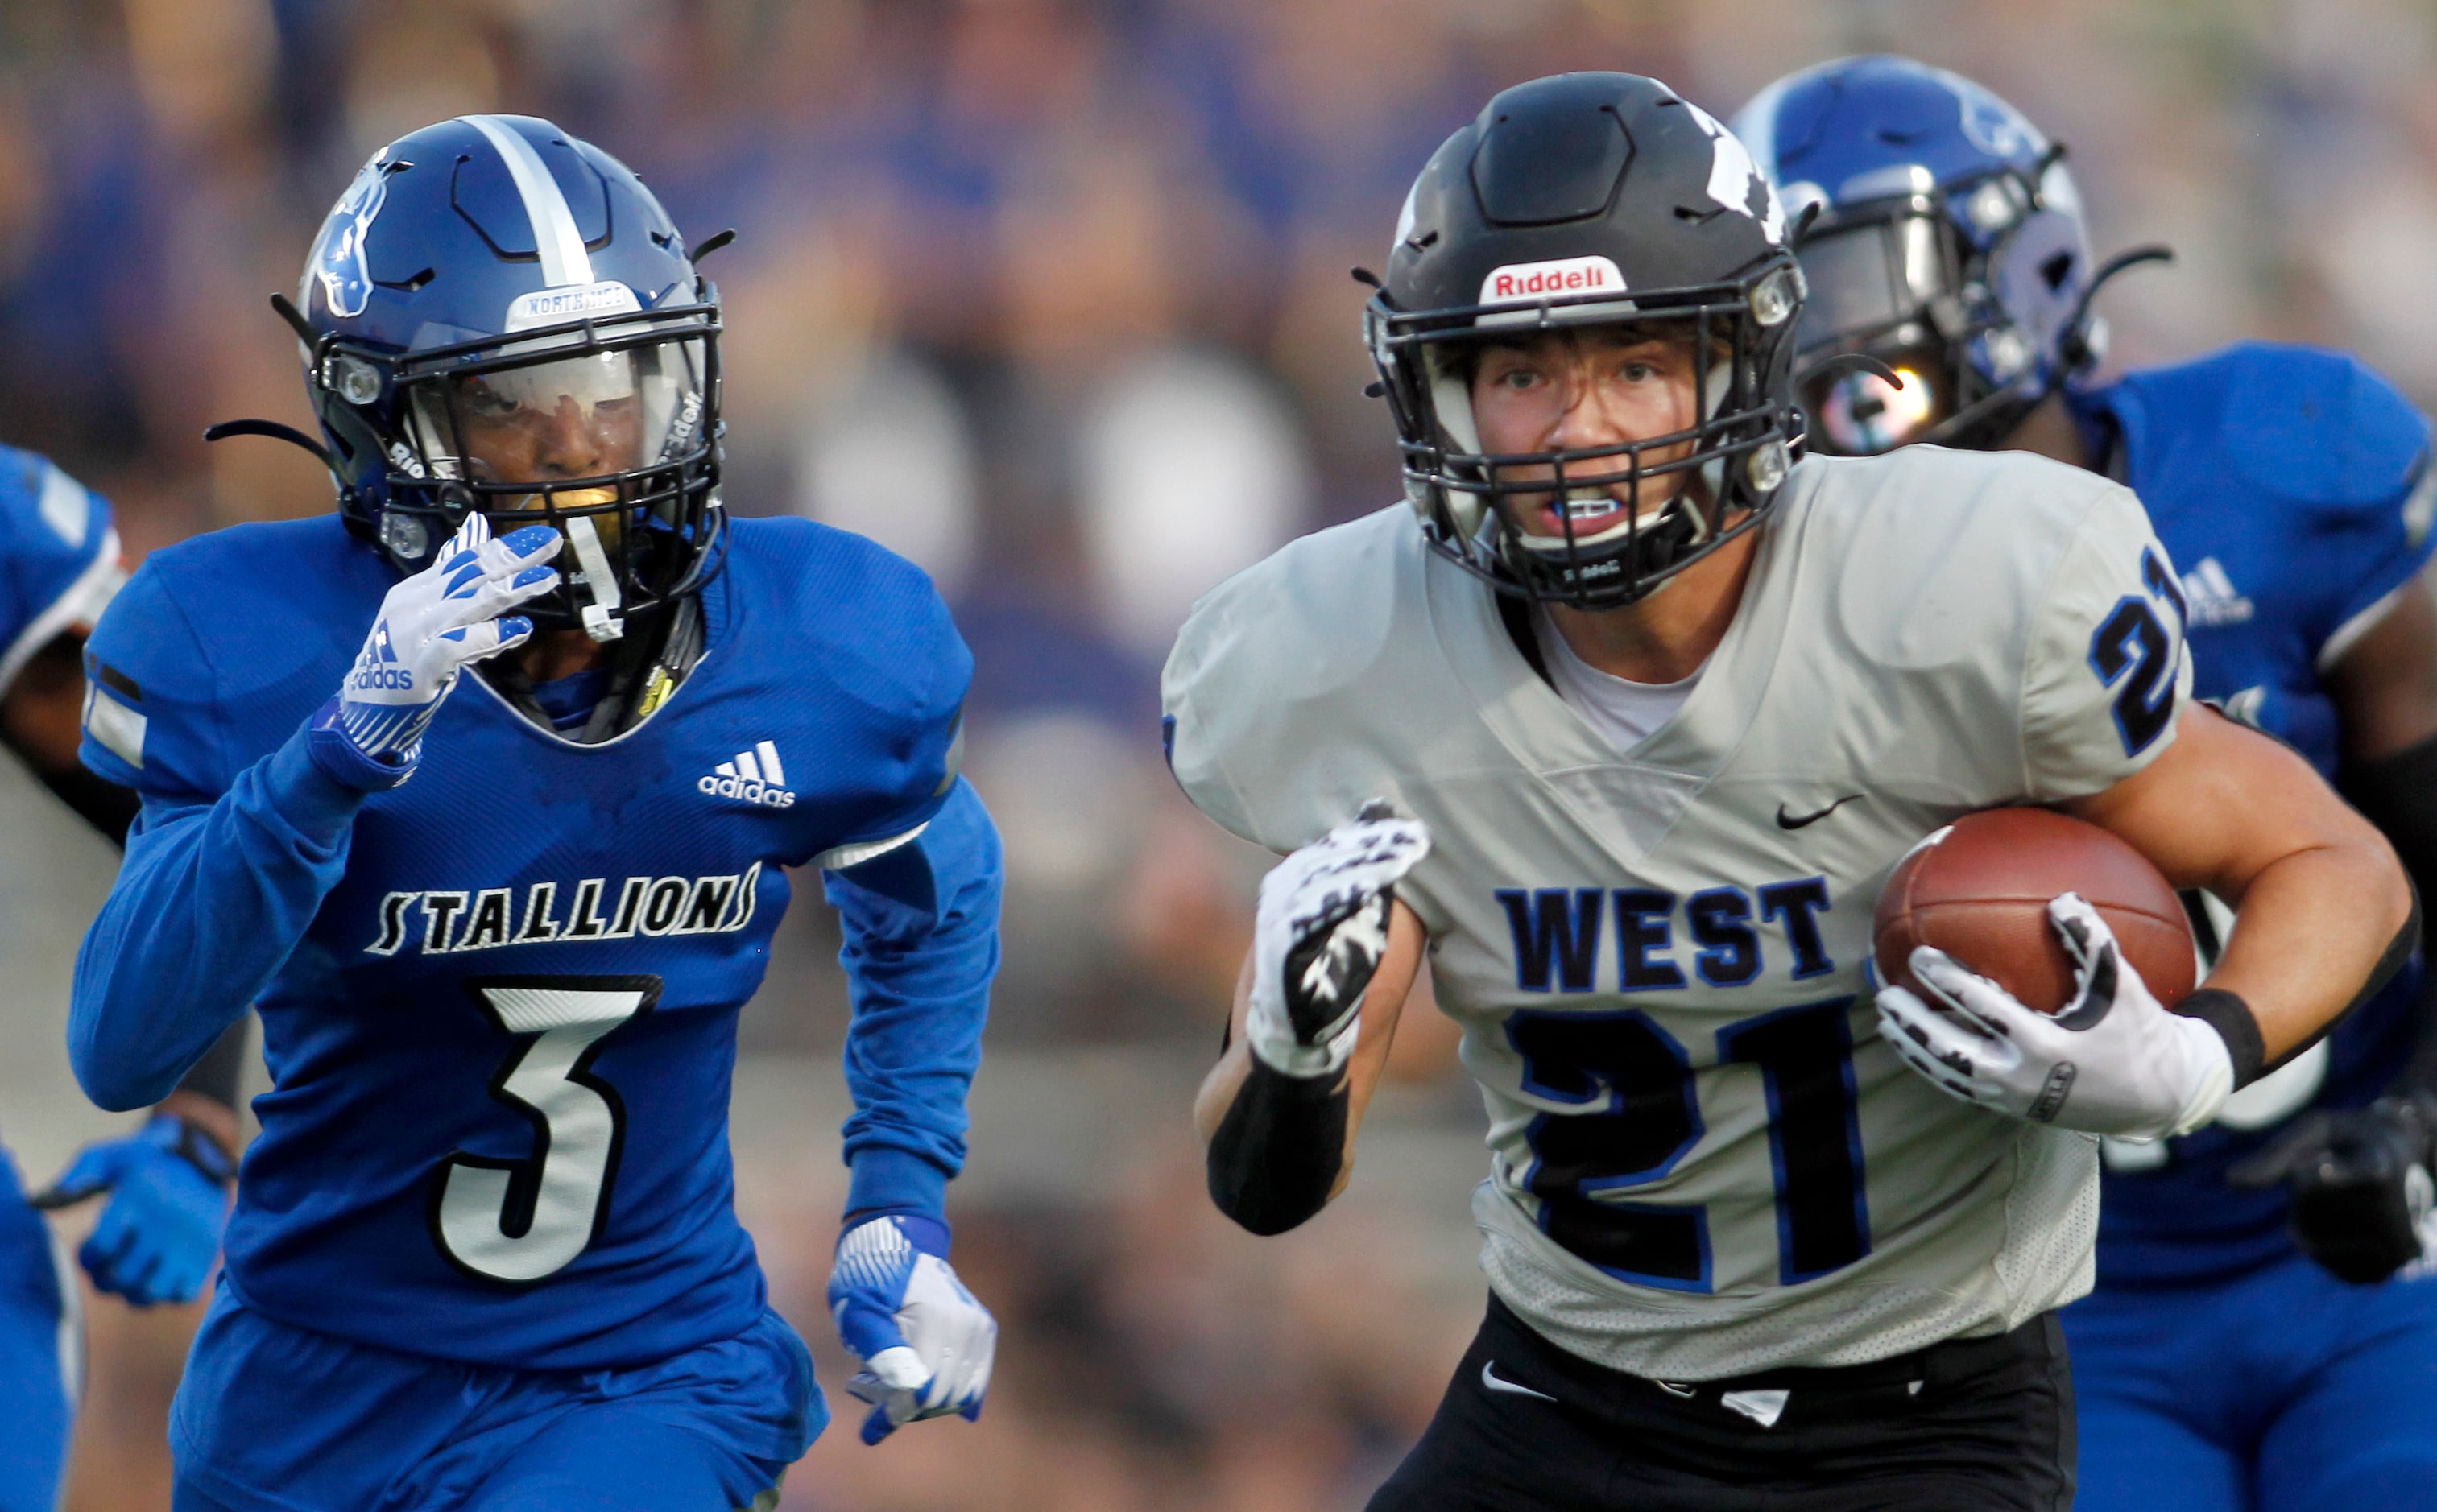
1966,1425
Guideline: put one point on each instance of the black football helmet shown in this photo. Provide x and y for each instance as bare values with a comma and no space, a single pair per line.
1577,200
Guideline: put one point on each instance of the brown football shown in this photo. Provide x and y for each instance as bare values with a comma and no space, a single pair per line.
1979,889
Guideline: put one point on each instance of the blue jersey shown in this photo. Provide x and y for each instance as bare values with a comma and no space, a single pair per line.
58,557
2293,487
58,566
499,1000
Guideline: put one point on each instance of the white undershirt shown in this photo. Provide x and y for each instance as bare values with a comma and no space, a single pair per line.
1619,708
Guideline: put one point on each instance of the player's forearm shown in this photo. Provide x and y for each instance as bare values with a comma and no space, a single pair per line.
1279,1145
2399,793
2317,929
209,905
218,1078
922,947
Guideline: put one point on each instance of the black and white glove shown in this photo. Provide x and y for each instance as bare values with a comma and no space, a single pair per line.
2112,1062
1319,934
2362,1190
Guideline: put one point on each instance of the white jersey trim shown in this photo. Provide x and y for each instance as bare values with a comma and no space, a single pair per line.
2349,633
839,858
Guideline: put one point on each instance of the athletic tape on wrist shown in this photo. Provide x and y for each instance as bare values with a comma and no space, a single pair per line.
1277,1153
2231,1018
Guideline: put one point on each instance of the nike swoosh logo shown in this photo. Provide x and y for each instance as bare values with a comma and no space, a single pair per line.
1673,1390
1787,821
1490,1378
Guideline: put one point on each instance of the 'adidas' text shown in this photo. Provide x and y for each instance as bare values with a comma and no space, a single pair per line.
754,776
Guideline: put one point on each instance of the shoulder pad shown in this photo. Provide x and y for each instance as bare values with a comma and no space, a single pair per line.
868,619
59,556
274,601
1271,667
2302,423
40,504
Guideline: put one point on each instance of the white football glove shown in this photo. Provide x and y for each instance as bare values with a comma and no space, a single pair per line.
2112,1062
1319,934
927,1345
435,623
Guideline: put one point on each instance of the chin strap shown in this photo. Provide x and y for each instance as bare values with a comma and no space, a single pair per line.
275,431
602,620
1976,425
2077,348
1964,428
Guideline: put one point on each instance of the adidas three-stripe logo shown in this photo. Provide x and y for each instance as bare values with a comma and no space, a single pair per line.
755,775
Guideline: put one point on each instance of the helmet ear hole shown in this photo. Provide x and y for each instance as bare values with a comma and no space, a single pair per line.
1450,391
1451,397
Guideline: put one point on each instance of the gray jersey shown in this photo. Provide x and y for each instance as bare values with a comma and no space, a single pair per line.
1704,1162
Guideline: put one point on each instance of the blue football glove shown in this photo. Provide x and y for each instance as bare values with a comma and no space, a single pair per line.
169,1189
926,1346
431,626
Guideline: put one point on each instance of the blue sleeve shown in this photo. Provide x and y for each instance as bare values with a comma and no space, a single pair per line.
2365,490
222,878
907,660
2399,545
922,945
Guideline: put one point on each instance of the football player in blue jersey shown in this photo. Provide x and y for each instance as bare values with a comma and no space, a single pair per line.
156,1240
486,790
2263,1334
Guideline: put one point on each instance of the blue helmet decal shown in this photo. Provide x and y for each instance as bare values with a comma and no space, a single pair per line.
338,261
1993,125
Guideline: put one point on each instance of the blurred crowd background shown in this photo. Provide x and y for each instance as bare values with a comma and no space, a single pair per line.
1053,297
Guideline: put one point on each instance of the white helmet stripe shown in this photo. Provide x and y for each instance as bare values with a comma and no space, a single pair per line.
563,258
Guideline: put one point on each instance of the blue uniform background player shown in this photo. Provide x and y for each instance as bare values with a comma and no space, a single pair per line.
484,1251
2217,1367
156,1240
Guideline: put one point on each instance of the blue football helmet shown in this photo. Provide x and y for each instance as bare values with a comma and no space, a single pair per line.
1945,241
498,316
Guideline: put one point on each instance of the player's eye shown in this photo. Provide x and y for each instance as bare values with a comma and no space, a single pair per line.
485,403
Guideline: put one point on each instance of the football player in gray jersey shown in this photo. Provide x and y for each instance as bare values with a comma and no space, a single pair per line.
1628,735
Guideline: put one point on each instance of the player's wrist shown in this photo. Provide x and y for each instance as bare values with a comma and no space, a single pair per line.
928,1232
2208,1080
193,1143
1269,1033
213,1124
2237,1032
883,1179
336,756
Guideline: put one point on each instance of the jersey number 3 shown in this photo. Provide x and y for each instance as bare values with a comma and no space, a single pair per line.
522,1219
